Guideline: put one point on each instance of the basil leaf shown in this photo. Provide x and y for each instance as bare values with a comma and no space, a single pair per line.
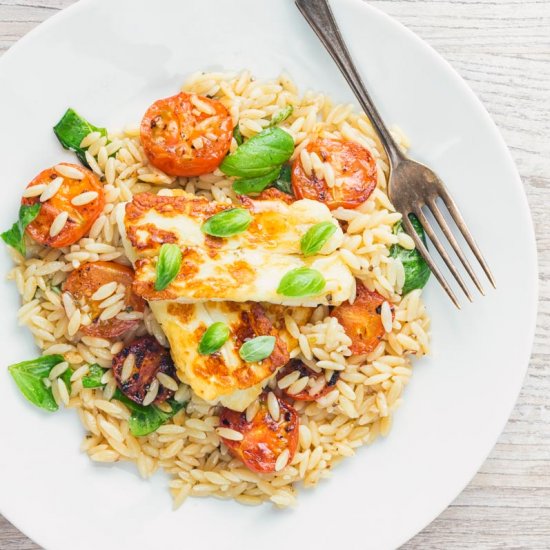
237,135
168,265
214,338
28,376
72,129
283,181
254,185
146,420
257,349
15,236
260,154
282,115
93,378
417,271
227,223
302,281
316,237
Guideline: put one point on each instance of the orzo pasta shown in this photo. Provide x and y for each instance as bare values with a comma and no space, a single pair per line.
332,351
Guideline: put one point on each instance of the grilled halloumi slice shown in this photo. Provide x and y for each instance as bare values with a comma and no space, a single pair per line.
224,377
248,266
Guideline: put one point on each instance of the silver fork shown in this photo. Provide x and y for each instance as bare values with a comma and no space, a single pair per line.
411,186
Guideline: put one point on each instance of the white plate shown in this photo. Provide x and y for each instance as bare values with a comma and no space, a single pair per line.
110,59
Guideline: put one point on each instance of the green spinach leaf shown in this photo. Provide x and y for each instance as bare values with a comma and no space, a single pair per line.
66,377
72,129
29,375
416,269
146,420
238,135
93,378
15,236
283,181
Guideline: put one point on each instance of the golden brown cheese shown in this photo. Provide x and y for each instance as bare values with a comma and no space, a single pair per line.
223,376
248,266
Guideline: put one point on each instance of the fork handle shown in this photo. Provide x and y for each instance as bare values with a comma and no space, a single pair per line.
321,19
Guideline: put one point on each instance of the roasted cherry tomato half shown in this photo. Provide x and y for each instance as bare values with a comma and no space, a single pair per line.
80,216
355,174
264,439
186,134
362,320
83,282
314,377
150,358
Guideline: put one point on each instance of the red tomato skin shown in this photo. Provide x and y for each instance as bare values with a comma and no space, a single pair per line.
169,128
264,438
81,218
89,277
304,395
150,359
361,320
355,164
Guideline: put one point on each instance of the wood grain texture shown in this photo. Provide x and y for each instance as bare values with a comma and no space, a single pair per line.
502,49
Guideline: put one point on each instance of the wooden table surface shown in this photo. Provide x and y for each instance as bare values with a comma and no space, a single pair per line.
502,49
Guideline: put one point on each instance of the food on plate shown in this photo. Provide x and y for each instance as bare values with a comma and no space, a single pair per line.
168,265
302,383
334,172
224,376
259,161
144,371
15,236
366,320
224,292
313,241
213,338
29,377
73,132
266,442
145,420
70,197
151,219
186,134
417,271
259,259
104,291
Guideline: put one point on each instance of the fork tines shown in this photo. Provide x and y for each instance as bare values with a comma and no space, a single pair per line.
433,207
